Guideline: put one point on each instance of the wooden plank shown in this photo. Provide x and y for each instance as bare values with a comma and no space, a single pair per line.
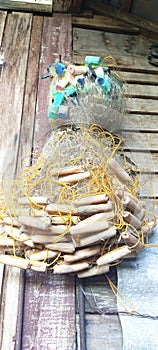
141,91
110,43
3,16
49,319
29,5
147,28
139,122
99,297
141,105
15,46
56,40
103,332
138,281
131,63
62,5
140,78
145,161
28,116
104,23
9,309
140,141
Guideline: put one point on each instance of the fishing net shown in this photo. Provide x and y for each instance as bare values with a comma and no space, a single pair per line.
77,208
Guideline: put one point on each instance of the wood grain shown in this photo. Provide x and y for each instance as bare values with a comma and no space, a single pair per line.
50,318
147,28
62,5
56,40
139,122
28,115
49,312
29,5
104,23
142,91
140,78
140,105
3,16
15,46
135,64
103,332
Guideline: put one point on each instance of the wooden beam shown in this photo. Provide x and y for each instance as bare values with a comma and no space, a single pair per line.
147,28
31,5
104,23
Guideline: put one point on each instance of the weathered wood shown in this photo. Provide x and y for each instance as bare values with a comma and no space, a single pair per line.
122,63
138,281
15,46
56,40
29,5
140,78
140,122
49,312
103,332
145,161
9,308
3,16
56,303
141,91
140,141
139,105
28,116
62,5
147,28
104,23
110,43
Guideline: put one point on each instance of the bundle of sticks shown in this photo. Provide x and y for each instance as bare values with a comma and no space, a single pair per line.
85,237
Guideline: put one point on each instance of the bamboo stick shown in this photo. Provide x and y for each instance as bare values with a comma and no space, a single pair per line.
94,271
95,208
96,238
45,239
96,199
61,247
117,170
11,260
131,219
66,268
32,200
113,255
82,254
71,179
